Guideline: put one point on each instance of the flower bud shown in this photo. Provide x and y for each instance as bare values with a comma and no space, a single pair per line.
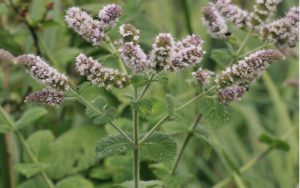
214,22
109,15
202,76
129,33
83,23
99,75
134,57
46,97
231,93
249,69
42,72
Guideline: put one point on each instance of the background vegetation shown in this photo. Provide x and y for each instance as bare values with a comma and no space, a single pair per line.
229,136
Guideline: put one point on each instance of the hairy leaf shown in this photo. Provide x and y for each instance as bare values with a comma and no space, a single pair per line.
112,145
158,147
30,116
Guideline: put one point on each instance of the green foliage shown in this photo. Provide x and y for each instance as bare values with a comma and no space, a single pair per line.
74,182
143,184
30,116
158,147
274,142
111,145
30,169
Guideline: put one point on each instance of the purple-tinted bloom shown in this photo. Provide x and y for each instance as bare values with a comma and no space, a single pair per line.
46,97
232,12
83,23
6,56
283,32
134,57
202,76
99,75
129,33
42,72
162,52
231,93
249,69
109,15
214,22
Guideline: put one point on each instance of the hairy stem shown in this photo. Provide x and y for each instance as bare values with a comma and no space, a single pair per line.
243,45
136,160
25,146
184,143
247,166
160,122
88,104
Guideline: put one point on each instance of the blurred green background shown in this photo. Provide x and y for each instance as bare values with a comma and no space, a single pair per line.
227,138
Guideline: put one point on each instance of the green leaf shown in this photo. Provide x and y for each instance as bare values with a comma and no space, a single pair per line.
220,56
171,103
142,184
230,162
40,143
108,114
99,173
51,23
35,182
30,116
98,103
158,147
30,169
266,138
74,182
112,145
73,151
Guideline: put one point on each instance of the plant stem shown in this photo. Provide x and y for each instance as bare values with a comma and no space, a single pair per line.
152,77
243,44
136,160
25,146
88,104
184,143
160,122
114,50
247,166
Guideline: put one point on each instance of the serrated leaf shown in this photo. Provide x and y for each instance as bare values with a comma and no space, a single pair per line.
74,182
30,169
108,114
171,102
40,143
30,116
112,145
99,103
142,184
158,147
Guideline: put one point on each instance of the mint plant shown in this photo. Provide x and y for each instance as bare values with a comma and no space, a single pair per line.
136,69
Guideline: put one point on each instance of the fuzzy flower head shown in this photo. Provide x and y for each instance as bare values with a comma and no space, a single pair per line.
129,33
42,72
202,76
83,24
109,15
99,75
134,57
283,32
232,12
46,97
249,69
162,52
263,11
231,93
6,56
214,22
188,52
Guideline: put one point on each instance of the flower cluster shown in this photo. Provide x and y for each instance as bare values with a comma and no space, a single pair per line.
232,12
99,75
248,69
162,52
202,76
134,57
263,10
283,32
109,15
231,93
46,97
214,22
129,33
6,56
42,72
90,29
